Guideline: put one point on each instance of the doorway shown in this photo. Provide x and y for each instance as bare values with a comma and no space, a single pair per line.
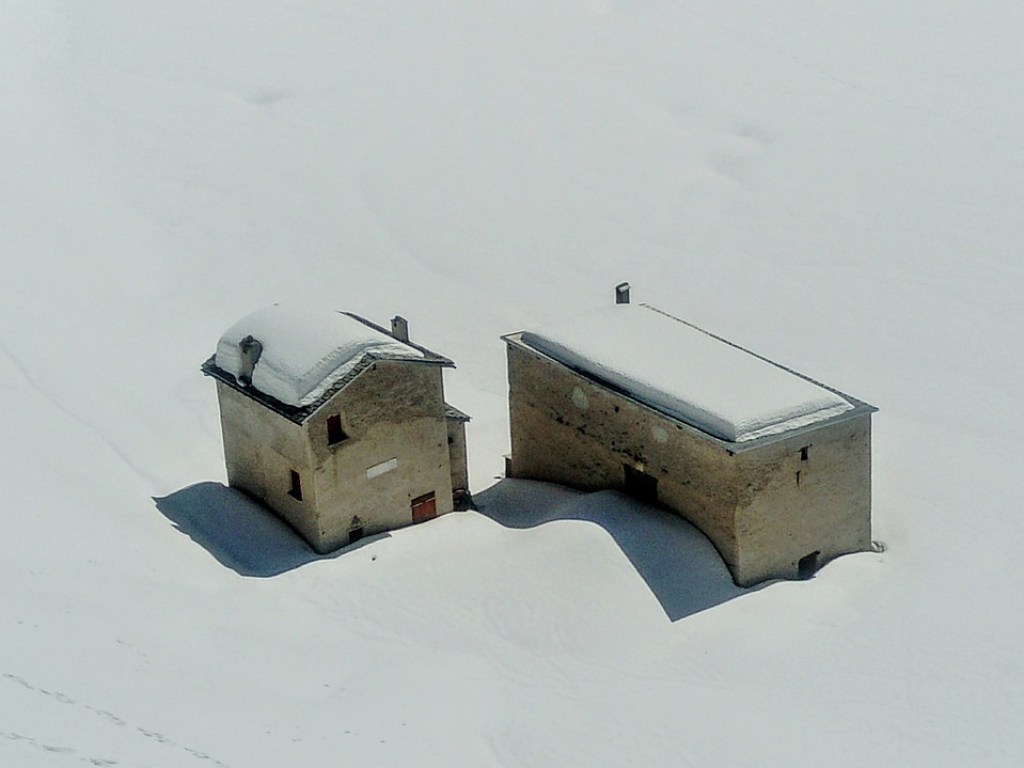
640,485
424,507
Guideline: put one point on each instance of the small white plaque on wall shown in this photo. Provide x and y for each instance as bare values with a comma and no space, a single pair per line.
379,469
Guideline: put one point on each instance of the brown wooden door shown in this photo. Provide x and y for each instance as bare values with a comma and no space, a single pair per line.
424,508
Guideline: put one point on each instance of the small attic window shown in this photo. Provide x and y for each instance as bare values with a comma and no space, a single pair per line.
335,433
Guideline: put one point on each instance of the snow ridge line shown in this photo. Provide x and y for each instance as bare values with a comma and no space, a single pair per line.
92,429
947,118
768,360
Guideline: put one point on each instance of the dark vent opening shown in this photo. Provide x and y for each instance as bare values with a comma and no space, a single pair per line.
808,565
296,490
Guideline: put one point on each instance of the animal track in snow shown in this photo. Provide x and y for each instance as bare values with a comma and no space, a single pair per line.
110,717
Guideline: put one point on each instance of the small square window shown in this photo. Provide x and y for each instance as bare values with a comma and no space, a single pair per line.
335,433
296,489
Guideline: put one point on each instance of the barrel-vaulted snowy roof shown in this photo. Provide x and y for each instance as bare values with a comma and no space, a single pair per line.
307,355
688,374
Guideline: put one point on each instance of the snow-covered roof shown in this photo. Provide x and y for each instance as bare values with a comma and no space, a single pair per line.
306,352
686,373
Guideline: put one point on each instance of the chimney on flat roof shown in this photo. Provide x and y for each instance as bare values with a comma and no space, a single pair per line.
400,328
622,293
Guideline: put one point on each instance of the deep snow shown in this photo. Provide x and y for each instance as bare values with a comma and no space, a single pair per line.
304,350
687,373
834,185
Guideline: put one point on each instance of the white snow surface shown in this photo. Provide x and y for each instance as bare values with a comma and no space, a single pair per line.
687,374
801,177
305,351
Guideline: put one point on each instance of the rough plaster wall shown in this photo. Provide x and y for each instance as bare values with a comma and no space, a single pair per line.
392,410
457,454
260,450
780,520
568,430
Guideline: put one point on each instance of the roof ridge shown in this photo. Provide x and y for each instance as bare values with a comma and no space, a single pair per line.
370,324
750,352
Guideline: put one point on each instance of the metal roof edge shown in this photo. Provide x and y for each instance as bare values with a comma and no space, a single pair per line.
850,398
451,412
299,414
431,356
860,408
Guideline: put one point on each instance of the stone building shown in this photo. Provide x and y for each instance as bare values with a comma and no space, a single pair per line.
773,467
338,426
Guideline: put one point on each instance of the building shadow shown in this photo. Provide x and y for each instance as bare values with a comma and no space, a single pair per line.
239,532
677,562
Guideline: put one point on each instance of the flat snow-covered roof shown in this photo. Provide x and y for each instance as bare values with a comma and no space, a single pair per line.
305,351
687,373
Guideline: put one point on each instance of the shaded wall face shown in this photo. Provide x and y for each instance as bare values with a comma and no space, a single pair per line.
395,449
261,450
568,430
457,454
805,494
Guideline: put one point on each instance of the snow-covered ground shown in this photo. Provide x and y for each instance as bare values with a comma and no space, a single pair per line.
835,186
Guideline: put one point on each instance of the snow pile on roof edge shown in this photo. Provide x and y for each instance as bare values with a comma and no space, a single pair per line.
687,374
304,351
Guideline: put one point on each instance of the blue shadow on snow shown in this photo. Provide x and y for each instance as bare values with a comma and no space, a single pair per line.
241,533
677,562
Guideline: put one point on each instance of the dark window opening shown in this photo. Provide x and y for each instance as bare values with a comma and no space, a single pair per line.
355,534
808,565
335,434
640,485
296,489
804,452
424,507
798,477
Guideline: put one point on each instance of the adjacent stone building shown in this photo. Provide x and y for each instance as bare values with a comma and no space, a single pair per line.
773,467
337,425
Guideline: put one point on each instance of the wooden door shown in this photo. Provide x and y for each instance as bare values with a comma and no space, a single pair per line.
424,507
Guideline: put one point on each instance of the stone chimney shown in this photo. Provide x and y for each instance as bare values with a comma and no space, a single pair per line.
250,350
400,328
622,293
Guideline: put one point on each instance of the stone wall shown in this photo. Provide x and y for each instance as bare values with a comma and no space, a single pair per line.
809,493
567,429
261,449
457,454
570,430
391,411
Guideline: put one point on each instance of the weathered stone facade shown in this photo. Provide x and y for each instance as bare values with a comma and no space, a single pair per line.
456,421
775,507
372,456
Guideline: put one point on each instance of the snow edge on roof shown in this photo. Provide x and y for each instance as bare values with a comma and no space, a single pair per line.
332,383
732,436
